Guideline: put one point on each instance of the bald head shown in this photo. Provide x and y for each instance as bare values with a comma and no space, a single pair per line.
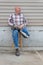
17,10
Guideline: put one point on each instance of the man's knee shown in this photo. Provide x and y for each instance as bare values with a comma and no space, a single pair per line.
25,29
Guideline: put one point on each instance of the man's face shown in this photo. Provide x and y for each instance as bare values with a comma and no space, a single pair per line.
17,10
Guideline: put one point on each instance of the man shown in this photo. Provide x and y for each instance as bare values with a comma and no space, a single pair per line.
18,24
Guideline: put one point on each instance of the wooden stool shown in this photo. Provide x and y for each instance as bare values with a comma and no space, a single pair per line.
20,40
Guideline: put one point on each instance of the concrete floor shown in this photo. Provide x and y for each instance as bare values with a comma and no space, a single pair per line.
26,58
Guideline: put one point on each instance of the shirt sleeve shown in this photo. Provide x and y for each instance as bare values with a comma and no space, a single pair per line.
10,20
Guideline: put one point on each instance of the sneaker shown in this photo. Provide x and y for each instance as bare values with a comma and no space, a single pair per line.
17,53
24,34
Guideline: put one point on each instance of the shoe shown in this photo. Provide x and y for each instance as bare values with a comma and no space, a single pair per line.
17,53
24,34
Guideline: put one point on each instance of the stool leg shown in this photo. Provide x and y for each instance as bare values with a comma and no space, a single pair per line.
12,45
20,39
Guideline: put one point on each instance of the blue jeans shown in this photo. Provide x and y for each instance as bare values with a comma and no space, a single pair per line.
15,35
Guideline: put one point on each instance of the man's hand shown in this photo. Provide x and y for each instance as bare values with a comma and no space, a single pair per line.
21,26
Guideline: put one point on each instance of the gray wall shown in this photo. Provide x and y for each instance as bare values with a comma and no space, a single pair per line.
33,11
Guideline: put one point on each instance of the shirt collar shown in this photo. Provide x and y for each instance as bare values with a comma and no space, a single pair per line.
17,14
